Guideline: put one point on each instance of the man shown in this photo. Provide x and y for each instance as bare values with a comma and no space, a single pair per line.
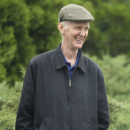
63,89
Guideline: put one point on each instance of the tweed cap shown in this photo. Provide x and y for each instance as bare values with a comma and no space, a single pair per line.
73,12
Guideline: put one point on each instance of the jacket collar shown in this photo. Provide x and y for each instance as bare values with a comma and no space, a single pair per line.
59,60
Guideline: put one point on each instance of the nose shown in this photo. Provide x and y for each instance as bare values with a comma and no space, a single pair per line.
83,33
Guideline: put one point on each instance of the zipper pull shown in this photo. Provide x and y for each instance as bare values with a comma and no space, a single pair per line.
69,82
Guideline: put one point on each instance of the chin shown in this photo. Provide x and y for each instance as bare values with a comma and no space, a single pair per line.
79,46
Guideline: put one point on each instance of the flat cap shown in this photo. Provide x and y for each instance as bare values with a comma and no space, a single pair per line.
73,12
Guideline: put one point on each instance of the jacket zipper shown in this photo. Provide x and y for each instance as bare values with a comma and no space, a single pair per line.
69,85
69,89
70,80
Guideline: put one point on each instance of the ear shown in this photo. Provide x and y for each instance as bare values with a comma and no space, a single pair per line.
61,28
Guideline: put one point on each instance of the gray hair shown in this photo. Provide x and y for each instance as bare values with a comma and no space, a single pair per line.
65,25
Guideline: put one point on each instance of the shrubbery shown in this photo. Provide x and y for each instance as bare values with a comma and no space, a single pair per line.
9,101
119,115
116,73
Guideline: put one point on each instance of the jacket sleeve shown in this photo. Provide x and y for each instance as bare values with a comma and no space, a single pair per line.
25,115
103,110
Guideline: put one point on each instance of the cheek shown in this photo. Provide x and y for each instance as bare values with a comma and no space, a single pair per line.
86,34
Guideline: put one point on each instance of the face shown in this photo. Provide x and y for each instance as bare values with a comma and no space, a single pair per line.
76,34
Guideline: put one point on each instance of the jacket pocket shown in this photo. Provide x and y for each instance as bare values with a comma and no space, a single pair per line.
45,123
89,126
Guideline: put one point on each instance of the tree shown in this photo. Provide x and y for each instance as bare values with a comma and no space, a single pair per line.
29,27
14,41
110,31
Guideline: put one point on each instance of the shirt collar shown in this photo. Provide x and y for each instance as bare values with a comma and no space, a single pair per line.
60,62
76,59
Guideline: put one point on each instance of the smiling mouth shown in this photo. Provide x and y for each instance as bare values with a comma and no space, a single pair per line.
79,39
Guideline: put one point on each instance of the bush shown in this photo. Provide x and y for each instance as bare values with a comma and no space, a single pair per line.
15,42
9,102
7,118
119,115
116,73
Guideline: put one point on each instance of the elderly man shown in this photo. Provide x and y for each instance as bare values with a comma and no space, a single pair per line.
63,89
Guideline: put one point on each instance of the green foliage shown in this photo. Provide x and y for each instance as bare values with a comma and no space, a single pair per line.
2,72
23,71
29,27
7,119
9,101
116,72
15,42
110,30
119,115
10,97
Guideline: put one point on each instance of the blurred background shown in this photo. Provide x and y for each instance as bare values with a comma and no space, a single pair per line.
29,27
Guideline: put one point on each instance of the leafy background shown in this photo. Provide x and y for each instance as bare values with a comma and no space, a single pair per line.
29,27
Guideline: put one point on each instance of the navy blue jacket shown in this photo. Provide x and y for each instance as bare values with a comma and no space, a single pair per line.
52,101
